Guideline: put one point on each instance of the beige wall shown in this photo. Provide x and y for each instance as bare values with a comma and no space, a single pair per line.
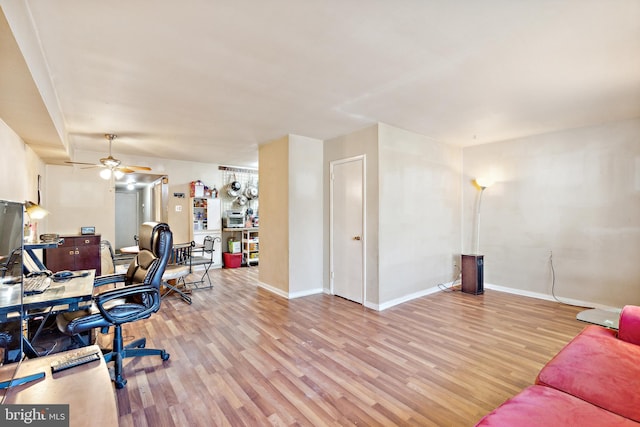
419,213
19,170
273,173
573,194
305,216
362,142
77,197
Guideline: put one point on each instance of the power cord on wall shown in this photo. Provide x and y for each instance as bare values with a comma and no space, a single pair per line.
553,277
553,283
450,287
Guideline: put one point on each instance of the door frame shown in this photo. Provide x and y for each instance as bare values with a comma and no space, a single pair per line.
332,164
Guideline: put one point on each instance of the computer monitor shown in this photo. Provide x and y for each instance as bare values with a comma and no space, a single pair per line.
11,238
11,295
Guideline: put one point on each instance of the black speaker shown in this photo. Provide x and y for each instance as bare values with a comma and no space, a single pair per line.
473,274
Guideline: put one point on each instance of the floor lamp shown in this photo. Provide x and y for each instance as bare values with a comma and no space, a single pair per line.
473,265
482,184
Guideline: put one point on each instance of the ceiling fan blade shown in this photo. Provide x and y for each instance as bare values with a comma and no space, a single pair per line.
138,168
82,163
125,169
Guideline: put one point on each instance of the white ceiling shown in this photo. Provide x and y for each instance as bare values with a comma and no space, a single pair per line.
210,80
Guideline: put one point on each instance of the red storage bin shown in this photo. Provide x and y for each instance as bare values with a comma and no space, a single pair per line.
232,260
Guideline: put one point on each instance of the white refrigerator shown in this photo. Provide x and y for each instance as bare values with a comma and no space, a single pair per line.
206,220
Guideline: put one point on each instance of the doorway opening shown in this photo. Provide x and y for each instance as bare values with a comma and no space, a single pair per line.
139,198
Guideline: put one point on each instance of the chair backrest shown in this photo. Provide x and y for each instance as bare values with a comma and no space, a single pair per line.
107,258
155,242
208,244
13,266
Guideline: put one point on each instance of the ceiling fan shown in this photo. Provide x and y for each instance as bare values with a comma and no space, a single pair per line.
111,165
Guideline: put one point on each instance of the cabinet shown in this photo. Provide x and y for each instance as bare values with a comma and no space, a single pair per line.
204,215
205,220
250,245
473,274
74,253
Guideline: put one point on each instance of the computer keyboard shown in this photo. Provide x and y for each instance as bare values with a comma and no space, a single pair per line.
35,284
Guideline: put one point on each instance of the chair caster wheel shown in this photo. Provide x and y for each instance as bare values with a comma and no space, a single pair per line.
164,355
120,384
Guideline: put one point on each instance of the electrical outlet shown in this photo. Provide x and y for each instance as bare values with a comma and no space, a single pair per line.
178,208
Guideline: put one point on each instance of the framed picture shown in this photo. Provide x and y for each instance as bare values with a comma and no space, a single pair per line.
87,230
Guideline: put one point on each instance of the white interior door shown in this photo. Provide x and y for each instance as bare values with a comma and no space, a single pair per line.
347,229
126,219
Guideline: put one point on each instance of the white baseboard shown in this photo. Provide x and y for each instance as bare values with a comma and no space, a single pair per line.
305,293
288,295
404,298
273,290
436,289
547,297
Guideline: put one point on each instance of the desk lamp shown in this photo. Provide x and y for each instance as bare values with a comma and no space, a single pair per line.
34,212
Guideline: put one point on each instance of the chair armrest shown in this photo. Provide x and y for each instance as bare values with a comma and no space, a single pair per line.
108,278
113,316
629,327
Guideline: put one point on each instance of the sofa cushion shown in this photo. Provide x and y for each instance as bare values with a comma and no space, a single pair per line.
599,368
630,324
543,406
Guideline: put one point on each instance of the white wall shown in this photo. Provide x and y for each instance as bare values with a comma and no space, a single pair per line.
575,194
305,215
19,170
420,205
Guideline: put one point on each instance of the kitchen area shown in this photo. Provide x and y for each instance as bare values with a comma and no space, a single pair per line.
228,213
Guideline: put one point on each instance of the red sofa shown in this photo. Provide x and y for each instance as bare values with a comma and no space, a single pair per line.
593,381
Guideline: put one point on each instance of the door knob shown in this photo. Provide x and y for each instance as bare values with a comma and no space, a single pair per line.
356,238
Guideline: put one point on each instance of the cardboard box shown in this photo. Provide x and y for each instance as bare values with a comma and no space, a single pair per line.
234,247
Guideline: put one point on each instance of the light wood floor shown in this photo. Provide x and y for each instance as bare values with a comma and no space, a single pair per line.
243,356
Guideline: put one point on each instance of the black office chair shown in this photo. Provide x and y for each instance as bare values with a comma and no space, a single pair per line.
137,300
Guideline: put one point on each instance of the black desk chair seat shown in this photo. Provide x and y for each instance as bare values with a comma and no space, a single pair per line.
137,300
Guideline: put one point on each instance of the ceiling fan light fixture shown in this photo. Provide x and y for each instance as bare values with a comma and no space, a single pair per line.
110,162
112,167
105,173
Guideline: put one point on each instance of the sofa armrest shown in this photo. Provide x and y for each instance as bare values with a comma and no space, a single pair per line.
629,328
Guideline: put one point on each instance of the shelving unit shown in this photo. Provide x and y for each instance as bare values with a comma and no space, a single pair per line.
250,246
199,214
204,218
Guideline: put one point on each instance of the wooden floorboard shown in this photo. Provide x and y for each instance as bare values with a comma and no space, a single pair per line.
242,356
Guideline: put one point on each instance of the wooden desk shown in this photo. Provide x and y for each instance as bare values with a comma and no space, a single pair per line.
87,389
130,250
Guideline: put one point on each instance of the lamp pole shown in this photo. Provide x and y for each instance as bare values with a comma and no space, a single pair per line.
477,251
